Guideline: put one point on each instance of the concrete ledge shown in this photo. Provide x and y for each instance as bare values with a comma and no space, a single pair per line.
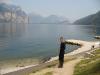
97,37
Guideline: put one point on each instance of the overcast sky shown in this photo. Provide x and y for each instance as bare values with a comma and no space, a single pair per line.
72,9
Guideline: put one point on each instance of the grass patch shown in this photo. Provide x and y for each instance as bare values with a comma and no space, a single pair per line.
49,73
89,66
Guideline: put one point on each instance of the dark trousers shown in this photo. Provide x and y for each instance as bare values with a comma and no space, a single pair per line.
61,58
61,62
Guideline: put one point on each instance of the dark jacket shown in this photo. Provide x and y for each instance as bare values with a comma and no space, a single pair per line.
62,50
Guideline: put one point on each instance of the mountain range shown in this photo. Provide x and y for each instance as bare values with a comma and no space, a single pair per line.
93,19
52,19
13,13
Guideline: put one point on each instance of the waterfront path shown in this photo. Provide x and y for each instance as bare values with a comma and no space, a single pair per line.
85,46
68,68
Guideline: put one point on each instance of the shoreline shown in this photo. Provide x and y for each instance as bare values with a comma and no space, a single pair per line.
85,46
13,65
8,66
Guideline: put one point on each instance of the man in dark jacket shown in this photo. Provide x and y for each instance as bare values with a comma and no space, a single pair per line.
62,52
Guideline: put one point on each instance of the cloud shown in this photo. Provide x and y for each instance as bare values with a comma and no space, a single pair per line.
5,1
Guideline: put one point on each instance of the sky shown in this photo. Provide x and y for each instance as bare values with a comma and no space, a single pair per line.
71,9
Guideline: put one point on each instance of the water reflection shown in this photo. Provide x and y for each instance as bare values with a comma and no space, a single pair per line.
11,29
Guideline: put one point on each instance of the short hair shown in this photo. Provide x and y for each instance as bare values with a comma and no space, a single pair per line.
61,37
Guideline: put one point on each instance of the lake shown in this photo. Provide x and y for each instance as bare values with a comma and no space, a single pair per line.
38,41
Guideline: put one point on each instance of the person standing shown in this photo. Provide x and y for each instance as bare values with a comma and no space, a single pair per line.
62,52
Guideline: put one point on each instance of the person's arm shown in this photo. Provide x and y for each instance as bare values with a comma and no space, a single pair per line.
65,42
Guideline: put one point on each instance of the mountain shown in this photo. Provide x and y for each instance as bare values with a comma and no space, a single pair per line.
89,20
53,19
12,13
35,18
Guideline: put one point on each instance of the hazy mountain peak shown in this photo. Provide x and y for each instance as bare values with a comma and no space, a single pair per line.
7,9
36,18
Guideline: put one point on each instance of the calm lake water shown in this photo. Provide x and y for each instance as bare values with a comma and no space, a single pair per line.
18,41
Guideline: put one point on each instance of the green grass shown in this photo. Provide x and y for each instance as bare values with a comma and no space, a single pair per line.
89,66
49,73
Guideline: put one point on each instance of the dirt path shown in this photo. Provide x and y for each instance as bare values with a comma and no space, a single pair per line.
68,68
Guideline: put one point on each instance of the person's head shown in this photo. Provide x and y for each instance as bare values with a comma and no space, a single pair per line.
61,39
